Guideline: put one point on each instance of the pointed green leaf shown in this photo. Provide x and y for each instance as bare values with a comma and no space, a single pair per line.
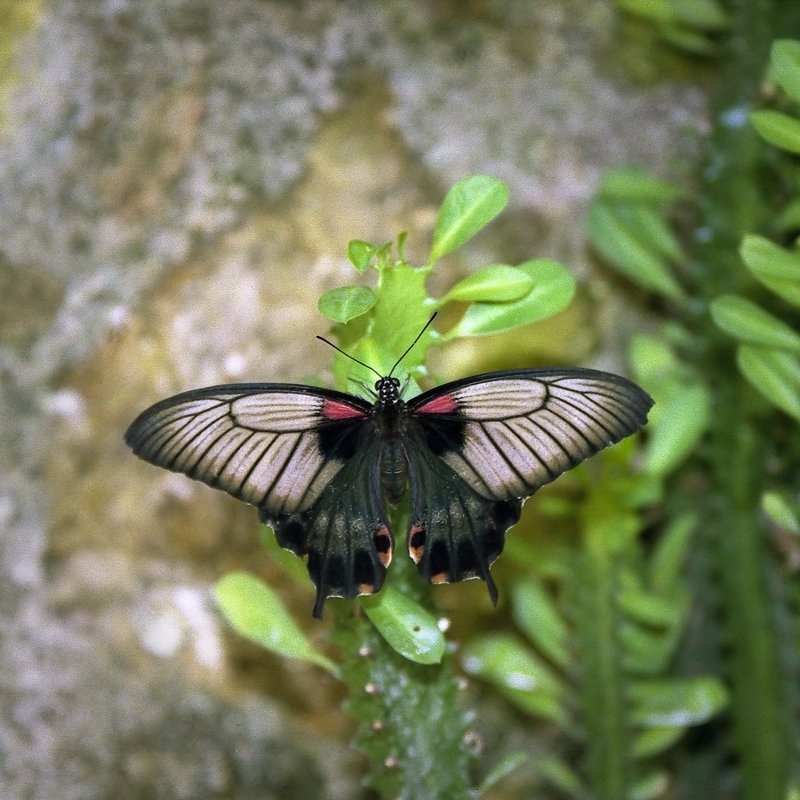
654,741
407,626
257,613
538,618
502,770
705,15
646,652
655,232
632,184
778,129
774,373
777,268
780,511
648,608
748,322
666,562
360,254
525,679
687,39
622,247
680,702
652,786
561,775
786,66
497,283
346,303
470,205
652,360
765,259
679,421
655,10
553,289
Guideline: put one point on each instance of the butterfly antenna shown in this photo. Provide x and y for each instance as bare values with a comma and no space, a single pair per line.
411,346
353,358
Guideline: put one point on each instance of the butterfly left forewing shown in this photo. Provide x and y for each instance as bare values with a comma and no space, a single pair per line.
275,446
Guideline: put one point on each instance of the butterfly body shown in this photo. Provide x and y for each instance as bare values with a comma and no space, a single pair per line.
323,466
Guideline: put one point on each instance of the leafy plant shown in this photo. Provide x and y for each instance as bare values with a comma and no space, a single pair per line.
730,329
403,689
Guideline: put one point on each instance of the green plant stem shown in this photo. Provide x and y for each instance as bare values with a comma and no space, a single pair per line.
735,199
411,725
760,700
601,679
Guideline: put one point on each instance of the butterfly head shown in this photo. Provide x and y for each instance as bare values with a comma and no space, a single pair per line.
388,390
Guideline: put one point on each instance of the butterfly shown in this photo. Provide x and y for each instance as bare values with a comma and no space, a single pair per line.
321,465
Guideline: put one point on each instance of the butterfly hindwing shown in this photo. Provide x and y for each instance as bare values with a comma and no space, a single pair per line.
345,533
455,533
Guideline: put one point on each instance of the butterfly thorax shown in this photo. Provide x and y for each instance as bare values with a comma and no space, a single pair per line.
389,416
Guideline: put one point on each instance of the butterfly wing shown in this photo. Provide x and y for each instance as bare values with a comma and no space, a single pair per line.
481,445
303,456
345,533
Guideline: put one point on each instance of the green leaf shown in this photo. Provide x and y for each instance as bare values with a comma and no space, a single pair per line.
780,511
553,289
687,39
622,247
631,184
765,259
775,267
679,421
680,702
470,205
655,10
502,770
346,303
526,680
647,608
538,618
653,360
786,66
407,626
666,563
655,233
748,322
360,254
257,613
701,14
778,129
497,283
556,772
774,373
646,652
652,786
654,741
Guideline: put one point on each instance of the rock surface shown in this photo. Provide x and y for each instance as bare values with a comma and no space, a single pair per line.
179,182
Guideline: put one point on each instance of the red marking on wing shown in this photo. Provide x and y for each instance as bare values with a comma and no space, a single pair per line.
333,409
444,404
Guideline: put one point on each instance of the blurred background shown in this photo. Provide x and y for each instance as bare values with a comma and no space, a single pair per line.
179,180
